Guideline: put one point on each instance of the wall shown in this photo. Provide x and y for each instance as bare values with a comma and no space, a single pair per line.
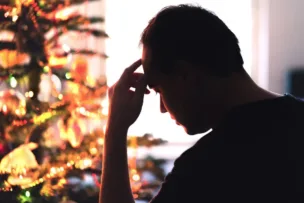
282,43
83,41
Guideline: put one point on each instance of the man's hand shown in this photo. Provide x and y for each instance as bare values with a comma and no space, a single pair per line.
125,105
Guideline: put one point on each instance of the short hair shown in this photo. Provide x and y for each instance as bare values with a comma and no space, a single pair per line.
193,34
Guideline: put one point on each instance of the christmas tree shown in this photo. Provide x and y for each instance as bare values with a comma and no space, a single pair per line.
52,111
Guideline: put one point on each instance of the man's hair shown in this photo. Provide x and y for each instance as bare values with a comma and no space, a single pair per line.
193,34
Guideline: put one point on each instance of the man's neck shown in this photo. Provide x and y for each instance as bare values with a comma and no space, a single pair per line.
238,90
242,90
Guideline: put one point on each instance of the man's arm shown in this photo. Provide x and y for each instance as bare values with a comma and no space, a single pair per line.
115,187
125,107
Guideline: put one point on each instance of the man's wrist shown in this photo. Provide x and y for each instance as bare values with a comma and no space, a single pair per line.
117,123
116,129
115,140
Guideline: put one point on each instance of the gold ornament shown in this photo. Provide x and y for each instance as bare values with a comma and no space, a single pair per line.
12,102
72,132
21,164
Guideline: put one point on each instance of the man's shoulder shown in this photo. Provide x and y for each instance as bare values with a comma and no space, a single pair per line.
247,135
202,152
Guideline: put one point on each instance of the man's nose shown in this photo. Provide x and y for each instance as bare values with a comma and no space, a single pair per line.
162,106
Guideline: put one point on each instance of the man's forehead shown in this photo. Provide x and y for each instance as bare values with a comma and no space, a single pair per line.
146,60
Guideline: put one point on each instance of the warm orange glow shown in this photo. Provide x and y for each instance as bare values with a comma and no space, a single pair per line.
136,177
105,107
79,69
57,61
93,151
4,109
104,128
9,58
64,14
100,141
133,152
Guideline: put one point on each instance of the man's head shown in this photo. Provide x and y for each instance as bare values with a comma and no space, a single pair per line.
187,52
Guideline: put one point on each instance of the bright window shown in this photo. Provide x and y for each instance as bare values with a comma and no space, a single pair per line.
125,21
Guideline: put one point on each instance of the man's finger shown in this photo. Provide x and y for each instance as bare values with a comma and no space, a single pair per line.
134,78
141,88
134,66
133,82
128,71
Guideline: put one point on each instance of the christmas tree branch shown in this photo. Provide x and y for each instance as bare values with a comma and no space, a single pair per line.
17,71
88,52
79,20
8,45
7,25
71,24
94,32
55,5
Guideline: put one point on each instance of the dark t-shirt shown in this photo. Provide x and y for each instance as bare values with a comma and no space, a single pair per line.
255,155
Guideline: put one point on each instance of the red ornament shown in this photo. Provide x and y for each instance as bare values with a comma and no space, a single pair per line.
3,149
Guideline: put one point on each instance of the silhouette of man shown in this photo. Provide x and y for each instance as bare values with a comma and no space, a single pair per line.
255,151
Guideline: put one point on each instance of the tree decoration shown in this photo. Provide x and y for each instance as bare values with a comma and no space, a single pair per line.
51,137
50,87
20,164
59,56
72,130
53,110
12,102
10,58
79,69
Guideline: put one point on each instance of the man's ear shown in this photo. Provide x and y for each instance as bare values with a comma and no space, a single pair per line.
181,69
185,70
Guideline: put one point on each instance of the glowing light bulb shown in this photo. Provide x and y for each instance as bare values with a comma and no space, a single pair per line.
100,141
13,82
27,194
53,170
31,93
136,177
60,96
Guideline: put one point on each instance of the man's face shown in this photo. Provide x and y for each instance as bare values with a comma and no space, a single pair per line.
174,90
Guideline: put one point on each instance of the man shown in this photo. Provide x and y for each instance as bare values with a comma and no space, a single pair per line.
255,151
